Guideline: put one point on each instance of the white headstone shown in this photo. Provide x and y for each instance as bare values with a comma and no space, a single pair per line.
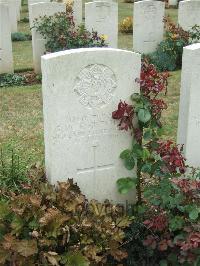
173,2
189,111
38,43
189,14
102,16
6,58
77,11
12,17
30,2
81,88
148,25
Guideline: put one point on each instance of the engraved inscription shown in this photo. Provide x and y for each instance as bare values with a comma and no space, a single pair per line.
95,86
87,127
103,10
150,12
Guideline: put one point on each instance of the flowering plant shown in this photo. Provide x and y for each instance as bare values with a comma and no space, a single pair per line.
64,34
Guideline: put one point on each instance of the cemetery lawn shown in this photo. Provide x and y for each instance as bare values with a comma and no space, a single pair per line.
21,125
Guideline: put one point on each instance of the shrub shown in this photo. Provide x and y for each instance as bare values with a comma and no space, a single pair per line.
44,225
165,230
128,1
126,26
168,55
20,36
64,35
7,80
25,19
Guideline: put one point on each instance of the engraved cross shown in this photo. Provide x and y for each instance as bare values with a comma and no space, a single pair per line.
95,167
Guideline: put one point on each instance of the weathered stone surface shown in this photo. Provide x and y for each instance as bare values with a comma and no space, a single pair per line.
38,43
6,58
12,10
81,88
102,16
148,25
189,111
189,14
77,11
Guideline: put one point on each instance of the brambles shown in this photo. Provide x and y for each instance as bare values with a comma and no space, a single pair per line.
165,230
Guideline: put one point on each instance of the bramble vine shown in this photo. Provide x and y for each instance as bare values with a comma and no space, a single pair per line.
149,154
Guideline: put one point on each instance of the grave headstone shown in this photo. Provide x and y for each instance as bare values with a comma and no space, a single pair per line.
189,111
189,14
30,2
81,88
77,11
6,58
173,2
38,42
102,16
148,27
12,17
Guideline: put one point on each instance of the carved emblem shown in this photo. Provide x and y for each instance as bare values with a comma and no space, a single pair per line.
95,85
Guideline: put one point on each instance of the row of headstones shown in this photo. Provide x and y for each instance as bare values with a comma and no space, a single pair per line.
81,139
102,16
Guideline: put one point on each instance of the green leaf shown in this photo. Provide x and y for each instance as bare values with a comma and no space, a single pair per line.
194,214
144,115
145,154
176,223
148,134
128,157
124,185
146,168
163,263
74,259
125,154
129,162
136,97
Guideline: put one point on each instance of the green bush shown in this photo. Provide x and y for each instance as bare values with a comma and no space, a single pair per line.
7,80
25,19
20,36
168,55
61,34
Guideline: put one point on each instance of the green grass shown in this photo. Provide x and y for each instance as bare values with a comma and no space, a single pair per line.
21,125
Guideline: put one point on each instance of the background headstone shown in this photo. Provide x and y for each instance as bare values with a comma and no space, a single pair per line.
189,111
173,2
30,2
81,88
148,26
102,16
38,43
12,17
6,58
189,14
77,11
